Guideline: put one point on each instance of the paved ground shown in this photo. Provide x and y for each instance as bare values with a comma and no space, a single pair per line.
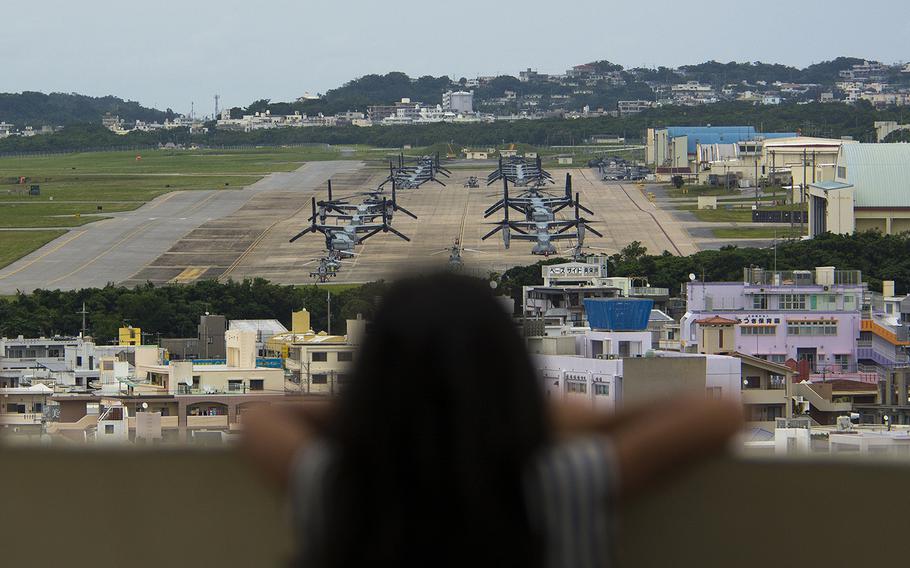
623,214
114,250
186,236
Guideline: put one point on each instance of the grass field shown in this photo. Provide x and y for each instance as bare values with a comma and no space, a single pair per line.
16,244
696,190
757,233
741,214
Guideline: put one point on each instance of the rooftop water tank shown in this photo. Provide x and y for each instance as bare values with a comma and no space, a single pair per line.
618,314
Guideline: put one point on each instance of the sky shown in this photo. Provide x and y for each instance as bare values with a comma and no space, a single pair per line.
170,53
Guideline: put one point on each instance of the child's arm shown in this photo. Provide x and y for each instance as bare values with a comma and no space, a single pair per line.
273,435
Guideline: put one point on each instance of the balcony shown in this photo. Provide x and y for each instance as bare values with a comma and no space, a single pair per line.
167,422
762,396
681,522
21,419
647,292
220,421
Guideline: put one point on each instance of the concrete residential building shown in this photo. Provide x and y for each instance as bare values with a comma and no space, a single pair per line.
189,396
23,410
559,302
614,363
320,363
812,316
458,101
264,329
870,190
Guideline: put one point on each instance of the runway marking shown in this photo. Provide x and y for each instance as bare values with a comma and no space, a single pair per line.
189,274
654,217
141,229
256,243
165,198
50,251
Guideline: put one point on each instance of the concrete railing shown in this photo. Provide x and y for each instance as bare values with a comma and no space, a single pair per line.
208,508
220,421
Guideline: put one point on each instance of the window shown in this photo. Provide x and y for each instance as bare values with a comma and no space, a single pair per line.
576,387
752,383
39,407
345,356
320,379
320,356
793,301
841,172
713,393
601,389
235,385
78,361
758,330
108,428
842,362
257,384
828,328
777,358
720,338
760,302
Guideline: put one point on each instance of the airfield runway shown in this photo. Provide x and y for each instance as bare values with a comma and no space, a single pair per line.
186,236
116,249
622,213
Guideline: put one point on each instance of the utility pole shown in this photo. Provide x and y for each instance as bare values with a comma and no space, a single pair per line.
802,192
329,318
83,312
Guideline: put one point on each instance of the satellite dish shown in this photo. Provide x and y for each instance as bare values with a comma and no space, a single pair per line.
145,405
493,284
692,276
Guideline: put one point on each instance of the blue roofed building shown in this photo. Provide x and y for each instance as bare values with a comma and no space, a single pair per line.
682,150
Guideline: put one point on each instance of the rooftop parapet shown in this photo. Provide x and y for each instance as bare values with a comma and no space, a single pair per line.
821,276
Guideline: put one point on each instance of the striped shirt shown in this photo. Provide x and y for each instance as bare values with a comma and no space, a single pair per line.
570,491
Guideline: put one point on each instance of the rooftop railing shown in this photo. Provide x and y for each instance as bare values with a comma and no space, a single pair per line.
763,277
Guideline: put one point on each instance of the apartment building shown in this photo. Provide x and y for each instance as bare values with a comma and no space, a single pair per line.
23,409
614,363
806,316
559,301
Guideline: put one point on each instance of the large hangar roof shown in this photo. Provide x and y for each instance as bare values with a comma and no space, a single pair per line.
879,172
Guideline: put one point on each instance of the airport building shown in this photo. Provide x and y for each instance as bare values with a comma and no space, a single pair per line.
869,190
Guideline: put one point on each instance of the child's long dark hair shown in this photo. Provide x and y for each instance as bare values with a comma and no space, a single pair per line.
434,433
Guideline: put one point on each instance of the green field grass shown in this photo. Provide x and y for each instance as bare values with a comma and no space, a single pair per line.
757,233
73,186
16,244
706,190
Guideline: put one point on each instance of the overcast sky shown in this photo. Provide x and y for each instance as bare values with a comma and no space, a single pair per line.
168,53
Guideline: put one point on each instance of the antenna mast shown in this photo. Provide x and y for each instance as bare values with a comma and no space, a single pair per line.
83,312
217,98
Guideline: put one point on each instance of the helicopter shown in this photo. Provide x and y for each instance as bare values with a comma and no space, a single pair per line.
342,239
364,212
540,231
425,169
327,268
455,254
520,172
535,205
